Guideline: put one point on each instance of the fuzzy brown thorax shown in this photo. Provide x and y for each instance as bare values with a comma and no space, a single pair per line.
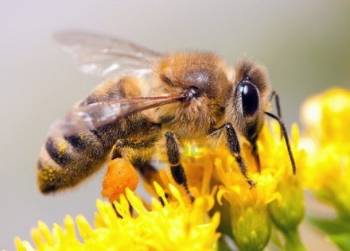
208,74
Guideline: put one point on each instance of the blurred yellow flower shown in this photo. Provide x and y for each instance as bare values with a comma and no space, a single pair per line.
326,116
166,226
327,141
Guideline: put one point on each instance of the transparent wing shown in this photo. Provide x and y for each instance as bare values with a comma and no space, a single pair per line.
98,114
105,56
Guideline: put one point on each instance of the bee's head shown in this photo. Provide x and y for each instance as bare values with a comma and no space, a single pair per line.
249,98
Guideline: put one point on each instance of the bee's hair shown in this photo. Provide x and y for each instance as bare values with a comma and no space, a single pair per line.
256,73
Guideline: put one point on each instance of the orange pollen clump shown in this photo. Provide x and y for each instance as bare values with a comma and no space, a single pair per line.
120,175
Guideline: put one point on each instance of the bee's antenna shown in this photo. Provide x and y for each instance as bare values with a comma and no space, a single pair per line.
286,139
276,97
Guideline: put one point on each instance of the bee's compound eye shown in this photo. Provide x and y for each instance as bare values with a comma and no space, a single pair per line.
249,97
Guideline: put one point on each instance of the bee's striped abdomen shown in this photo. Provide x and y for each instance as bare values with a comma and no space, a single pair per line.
74,150
65,160
58,151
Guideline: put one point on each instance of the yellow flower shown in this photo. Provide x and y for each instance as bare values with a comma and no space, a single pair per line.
213,171
326,116
169,226
275,197
247,212
327,141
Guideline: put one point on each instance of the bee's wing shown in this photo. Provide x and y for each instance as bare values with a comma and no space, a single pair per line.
106,56
94,115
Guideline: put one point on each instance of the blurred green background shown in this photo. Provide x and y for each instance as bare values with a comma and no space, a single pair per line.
304,44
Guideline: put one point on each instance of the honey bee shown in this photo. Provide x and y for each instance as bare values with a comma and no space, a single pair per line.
148,96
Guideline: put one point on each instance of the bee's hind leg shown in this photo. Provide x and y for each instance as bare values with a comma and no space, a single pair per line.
148,172
177,170
140,158
255,154
141,162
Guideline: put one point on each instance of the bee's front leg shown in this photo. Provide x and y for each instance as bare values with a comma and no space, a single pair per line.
235,149
177,170
255,154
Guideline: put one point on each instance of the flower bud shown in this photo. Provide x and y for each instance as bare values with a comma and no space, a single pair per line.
288,210
251,228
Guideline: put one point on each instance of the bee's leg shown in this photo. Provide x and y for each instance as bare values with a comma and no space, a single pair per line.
252,136
116,153
115,210
177,170
255,154
235,149
143,165
141,155
149,173
145,168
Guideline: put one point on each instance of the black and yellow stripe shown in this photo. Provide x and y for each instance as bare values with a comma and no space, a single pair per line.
66,159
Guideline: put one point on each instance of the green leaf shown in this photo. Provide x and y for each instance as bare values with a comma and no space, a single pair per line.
338,230
342,241
332,226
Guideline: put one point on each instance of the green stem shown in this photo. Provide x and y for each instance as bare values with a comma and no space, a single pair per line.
293,241
222,245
